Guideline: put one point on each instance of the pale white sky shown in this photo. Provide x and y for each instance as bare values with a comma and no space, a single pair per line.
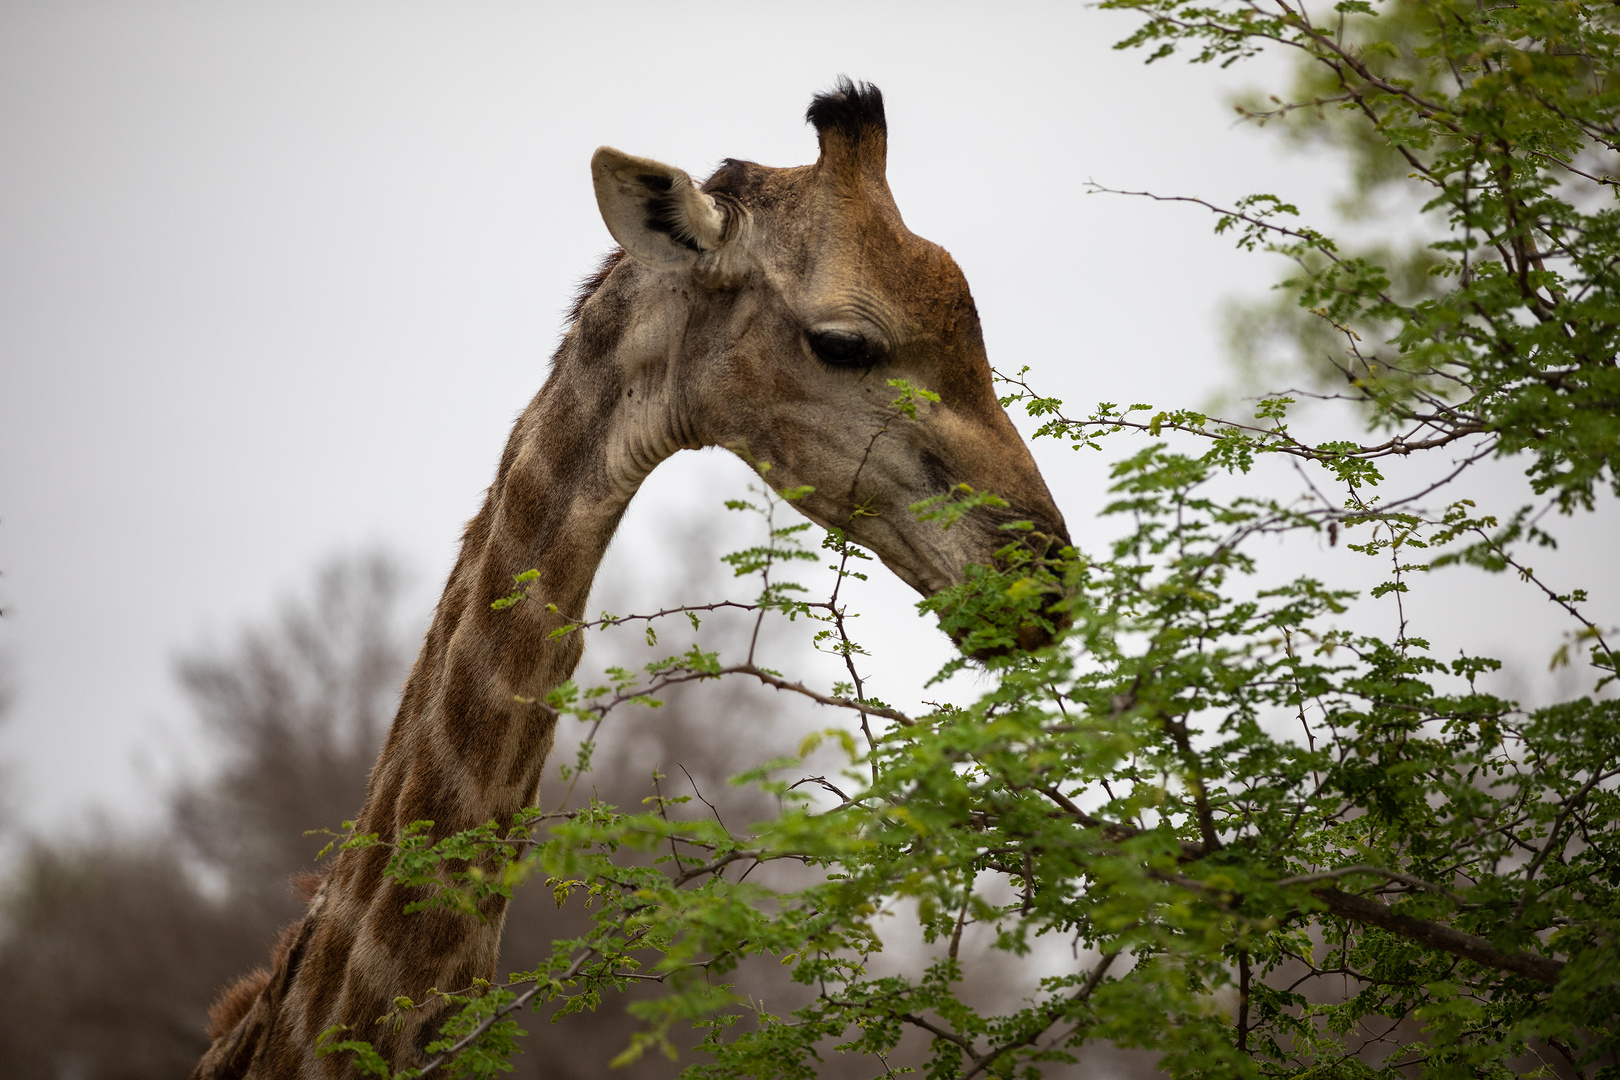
275,279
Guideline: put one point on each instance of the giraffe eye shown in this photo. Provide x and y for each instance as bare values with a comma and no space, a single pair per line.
843,348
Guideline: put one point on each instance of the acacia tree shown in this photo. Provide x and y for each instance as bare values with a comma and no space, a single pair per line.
1276,845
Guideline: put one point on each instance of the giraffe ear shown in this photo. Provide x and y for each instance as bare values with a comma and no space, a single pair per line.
654,210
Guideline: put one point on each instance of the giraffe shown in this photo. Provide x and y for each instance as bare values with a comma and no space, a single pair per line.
764,312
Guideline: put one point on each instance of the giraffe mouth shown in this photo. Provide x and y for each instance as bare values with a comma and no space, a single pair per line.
1015,625
1030,634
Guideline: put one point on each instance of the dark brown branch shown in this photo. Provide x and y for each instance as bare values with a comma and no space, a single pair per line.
939,1032
1114,831
1243,1001
1433,935
1358,909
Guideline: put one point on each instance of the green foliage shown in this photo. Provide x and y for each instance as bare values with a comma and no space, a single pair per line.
1502,317
910,396
953,505
1273,846
519,593
365,1058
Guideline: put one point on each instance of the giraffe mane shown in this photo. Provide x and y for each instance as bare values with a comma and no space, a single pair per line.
592,282
234,1002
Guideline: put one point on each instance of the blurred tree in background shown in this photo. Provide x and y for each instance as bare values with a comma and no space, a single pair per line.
297,711
113,947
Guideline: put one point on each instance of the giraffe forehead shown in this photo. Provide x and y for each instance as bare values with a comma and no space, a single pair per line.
915,303
844,239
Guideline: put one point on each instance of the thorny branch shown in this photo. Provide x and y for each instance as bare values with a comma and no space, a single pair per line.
679,675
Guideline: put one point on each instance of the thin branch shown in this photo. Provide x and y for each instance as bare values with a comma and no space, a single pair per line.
680,609
939,1033
505,1010
1393,875
701,799
678,676
1087,988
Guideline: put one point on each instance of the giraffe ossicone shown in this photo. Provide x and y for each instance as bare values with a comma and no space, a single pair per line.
764,311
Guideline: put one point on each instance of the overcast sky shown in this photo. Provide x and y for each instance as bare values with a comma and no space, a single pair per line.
275,279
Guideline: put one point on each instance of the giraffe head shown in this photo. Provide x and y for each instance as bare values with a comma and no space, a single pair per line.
772,309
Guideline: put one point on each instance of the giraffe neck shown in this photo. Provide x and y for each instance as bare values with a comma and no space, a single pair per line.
464,748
